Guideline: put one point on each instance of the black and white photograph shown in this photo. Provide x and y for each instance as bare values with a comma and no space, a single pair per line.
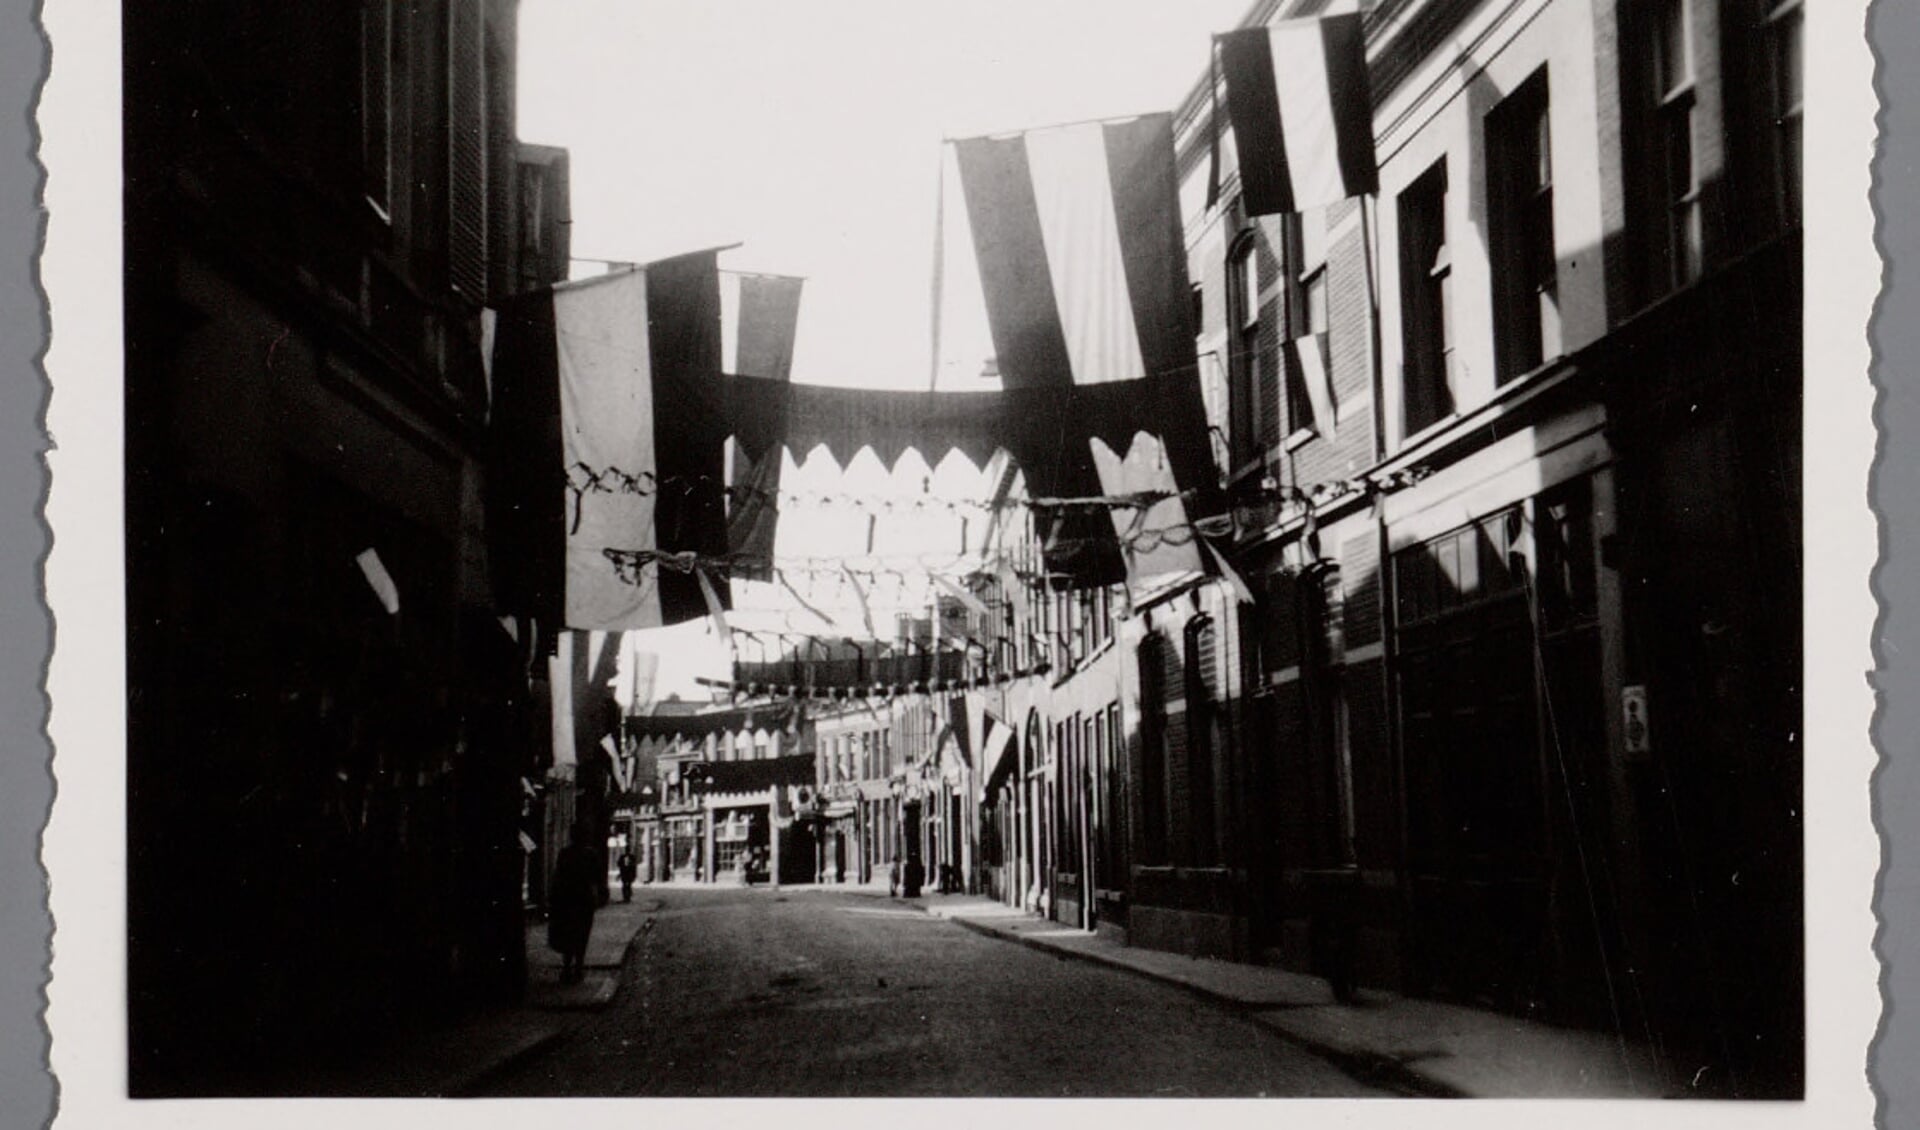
1254,549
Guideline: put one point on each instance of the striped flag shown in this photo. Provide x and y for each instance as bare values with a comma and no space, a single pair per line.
1310,361
1083,265
1302,113
608,432
759,318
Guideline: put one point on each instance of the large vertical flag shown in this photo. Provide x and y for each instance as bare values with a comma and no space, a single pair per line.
759,319
1302,113
1083,266
608,433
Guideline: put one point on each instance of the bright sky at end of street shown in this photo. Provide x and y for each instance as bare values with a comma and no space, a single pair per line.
812,133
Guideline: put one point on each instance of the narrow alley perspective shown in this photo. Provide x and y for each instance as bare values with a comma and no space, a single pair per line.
664,562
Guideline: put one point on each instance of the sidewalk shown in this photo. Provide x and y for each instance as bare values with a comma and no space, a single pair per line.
615,926
457,1058
1421,1047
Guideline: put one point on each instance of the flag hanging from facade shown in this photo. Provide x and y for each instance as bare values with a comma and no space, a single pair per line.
1302,113
1083,265
608,432
1309,360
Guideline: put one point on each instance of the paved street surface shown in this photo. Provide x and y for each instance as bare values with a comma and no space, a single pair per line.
810,992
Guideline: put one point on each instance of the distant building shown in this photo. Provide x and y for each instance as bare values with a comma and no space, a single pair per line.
727,779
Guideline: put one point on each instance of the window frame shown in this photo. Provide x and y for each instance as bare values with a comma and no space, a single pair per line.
1673,236
1520,189
1426,282
1243,351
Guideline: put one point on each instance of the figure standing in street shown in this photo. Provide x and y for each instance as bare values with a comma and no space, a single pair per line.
628,870
570,904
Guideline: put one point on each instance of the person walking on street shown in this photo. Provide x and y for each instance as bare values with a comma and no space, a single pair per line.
570,905
628,870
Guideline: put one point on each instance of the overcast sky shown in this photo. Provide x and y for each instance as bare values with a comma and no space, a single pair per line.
812,134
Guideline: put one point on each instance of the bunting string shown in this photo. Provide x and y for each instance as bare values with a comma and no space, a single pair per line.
583,480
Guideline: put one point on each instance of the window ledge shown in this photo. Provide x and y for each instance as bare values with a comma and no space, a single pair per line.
1300,438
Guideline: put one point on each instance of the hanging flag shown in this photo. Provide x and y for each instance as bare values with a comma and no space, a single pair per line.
1309,360
715,609
1302,113
759,319
1083,265
608,432
973,603
560,687
1158,538
860,597
1238,584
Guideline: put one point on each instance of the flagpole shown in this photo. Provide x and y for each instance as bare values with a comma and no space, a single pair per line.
938,282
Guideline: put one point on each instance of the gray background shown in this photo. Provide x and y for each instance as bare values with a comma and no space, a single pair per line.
1895,28
27,1093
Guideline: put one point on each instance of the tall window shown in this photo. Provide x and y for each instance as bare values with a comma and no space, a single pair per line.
1672,213
1784,32
1525,272
1201,641
1307,266
1153,750
1243,356
1426,269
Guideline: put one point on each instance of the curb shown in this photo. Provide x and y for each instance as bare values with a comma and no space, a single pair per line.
471,1086
1371,1068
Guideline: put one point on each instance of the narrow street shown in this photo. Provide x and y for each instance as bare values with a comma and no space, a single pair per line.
825,993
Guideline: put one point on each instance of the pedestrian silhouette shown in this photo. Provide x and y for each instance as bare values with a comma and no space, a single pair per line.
570,903
628,869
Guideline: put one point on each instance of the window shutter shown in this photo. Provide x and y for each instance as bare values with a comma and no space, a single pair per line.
467,166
